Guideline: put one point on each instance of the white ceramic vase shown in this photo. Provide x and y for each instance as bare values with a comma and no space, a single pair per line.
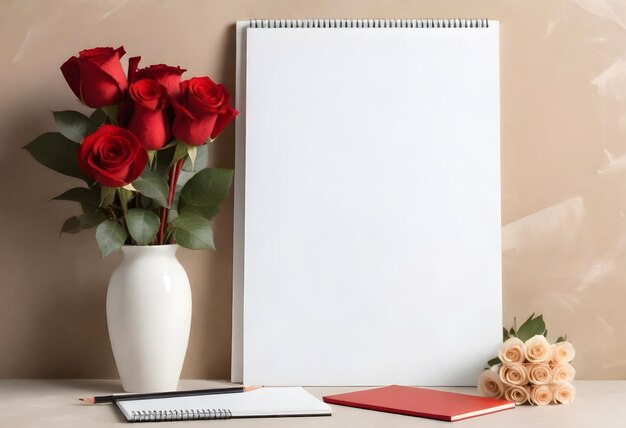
149,316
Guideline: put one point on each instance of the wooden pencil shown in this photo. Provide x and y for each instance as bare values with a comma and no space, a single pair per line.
118,397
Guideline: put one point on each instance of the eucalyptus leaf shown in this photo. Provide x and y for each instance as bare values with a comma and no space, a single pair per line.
206,190
74,125
143,225
56,152
193,231
152,185
107,195
110,236
82,195
531,327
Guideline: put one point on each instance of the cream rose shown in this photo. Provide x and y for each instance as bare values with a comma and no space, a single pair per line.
513,374
563,373
490,385
539,373
563,393
563,352
540,395
537,349
512,351
518,394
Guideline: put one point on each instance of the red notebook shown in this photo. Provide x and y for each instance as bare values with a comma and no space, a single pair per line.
425,403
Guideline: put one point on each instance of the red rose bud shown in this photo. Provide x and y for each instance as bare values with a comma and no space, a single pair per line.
203,111
166,75
112,156
96,77
148,121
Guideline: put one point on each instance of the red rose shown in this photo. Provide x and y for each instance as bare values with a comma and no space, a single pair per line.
148,121
96,76
166,75
202,111
112,156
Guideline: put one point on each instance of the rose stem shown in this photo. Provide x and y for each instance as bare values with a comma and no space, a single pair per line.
174,173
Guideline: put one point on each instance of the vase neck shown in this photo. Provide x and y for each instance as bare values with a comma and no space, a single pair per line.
149,250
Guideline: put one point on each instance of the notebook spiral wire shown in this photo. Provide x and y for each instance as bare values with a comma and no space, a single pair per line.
180,415
369,23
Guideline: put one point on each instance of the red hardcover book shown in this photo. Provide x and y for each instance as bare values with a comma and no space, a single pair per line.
425,403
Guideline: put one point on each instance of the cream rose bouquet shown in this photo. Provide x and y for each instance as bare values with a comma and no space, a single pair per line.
528,369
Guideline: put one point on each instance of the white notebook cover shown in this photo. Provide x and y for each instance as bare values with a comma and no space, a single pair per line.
263,402
367,229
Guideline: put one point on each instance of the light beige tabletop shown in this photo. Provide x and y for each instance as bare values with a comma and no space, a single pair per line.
54,403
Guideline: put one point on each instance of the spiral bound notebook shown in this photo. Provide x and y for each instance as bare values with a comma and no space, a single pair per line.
367,202
263,402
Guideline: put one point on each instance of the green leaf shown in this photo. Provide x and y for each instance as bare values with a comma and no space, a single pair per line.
71,225
192,151
107,196
125,195
81,194
145,202
205,191
56,152
494,361
110,236
561,339
193,231
531,327
180,152
84,221
545,333
172,214
98,116
152,185
512,332
151,157
143,225
111,112
164,159
74,125
505,335
201,159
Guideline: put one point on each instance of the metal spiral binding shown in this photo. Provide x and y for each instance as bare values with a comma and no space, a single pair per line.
369,23
180,415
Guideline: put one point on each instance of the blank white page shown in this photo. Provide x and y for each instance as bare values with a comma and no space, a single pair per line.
371,253
258,403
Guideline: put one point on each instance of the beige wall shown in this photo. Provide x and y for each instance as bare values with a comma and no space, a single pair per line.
563,171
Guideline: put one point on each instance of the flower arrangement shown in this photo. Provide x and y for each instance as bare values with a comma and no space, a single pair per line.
528,369
142,152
